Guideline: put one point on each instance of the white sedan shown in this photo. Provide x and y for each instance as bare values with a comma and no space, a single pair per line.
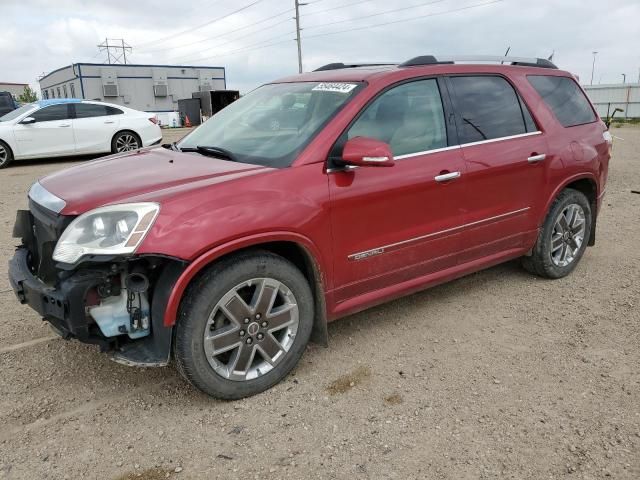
63,127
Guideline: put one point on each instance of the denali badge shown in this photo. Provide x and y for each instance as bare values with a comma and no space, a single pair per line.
368,253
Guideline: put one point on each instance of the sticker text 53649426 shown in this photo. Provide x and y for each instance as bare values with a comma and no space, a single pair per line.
335,87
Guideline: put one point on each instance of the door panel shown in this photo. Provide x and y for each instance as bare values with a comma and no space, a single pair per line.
504,194
396,223
51,135
94,127
505,160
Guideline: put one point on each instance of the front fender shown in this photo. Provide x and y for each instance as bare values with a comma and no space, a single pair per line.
229,247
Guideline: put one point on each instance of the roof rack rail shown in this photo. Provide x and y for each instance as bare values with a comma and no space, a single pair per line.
339,65
522,61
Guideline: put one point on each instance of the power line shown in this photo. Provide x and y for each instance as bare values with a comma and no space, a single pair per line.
191,29
468,7
253,46
259,45
432,2
178,58
336,8
288,10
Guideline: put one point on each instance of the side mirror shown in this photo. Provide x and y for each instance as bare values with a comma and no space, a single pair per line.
28,120
367,152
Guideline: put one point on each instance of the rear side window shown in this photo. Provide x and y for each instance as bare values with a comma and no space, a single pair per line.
88,110
564,98
54,112
114,111
488,108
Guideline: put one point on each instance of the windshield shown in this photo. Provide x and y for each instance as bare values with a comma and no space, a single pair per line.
272,124
16,113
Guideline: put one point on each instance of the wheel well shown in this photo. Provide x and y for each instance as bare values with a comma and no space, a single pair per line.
6,145
589,189
305,262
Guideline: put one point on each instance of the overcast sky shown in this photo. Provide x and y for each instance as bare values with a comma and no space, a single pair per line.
39,36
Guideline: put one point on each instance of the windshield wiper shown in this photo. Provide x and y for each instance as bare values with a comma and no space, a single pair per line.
211,151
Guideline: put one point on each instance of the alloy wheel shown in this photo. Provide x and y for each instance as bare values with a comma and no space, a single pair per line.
4,155
126,143
568,235
251,329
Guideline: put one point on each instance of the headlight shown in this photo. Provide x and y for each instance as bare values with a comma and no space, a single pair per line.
112,230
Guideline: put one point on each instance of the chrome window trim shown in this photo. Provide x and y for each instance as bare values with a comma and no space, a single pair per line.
379,250
500,139
45,198
452,147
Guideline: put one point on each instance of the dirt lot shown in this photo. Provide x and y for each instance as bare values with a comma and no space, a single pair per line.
497,375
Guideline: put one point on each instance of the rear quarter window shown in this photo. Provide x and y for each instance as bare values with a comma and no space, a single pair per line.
565,99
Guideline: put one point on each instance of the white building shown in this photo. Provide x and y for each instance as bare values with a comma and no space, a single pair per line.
606,98
151,88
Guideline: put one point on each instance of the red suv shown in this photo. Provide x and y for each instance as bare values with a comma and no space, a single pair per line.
308,199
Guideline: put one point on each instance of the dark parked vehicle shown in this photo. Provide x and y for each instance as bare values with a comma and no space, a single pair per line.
306,200
7,103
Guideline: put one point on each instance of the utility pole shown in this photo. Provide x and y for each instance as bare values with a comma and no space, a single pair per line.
593,67
624,78
297,18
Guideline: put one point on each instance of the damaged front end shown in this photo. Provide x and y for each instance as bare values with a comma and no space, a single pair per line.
114,301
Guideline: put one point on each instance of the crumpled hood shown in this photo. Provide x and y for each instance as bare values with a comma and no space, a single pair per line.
147,175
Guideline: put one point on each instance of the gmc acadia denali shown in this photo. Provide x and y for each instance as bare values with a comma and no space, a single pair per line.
309,199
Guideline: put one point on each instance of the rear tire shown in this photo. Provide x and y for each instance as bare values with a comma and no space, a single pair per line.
243,325
125,141
6,156
563,238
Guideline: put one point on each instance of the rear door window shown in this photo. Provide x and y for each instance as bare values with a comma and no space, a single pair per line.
88,110
488,107
54,112
564,98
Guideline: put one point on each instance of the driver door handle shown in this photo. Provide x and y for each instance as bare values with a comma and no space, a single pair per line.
64,125
445,177
536,158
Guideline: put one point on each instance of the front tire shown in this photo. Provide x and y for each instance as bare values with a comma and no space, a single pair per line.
563,237
6,156
125,142
243,325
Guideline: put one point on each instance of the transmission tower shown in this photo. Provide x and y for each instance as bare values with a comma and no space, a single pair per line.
116,49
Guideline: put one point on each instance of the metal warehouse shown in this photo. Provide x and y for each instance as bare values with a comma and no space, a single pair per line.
625,96
151,88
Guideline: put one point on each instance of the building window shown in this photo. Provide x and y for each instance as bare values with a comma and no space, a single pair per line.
45,94
64,89
73,90
53,93
59,95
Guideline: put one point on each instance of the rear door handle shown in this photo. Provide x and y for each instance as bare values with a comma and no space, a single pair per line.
536,158
109,121
64,125
444,177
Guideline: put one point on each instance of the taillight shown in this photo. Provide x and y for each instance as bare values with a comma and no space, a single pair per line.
154,120
608,138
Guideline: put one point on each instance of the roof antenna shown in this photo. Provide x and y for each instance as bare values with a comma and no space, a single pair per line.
506,53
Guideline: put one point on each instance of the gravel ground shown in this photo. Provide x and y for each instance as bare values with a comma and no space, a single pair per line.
496,375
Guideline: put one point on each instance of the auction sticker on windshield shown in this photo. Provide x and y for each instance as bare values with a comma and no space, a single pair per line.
335,87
